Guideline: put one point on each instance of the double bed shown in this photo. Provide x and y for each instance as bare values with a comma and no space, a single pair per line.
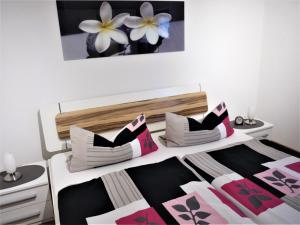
195,173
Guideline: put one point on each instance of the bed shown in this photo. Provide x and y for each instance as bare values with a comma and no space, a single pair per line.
193,162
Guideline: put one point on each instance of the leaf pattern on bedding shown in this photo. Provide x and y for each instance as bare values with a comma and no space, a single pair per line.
252,196
281,181
146,142
192,205
192,209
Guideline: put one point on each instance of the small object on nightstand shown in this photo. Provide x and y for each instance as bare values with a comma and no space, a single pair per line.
251,115
251,122
10,166
239,120
29,173
246,126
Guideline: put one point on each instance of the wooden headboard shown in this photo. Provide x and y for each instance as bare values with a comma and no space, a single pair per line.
105,118
106,114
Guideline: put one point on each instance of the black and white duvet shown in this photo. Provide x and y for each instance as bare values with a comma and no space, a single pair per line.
250,183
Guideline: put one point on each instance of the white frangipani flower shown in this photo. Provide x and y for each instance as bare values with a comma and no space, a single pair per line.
152,26
106,28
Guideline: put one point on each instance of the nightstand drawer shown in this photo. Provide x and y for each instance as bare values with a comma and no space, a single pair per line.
261,134
24,198
27,215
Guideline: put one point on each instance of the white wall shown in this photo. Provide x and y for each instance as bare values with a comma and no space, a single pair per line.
299,71
1,84
223,44
278,97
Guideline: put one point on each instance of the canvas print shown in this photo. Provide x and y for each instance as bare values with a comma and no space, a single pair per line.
91,29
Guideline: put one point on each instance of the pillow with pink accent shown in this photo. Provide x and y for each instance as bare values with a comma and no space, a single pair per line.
185,131
91,150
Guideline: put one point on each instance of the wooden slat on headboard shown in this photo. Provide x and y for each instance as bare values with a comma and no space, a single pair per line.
116,116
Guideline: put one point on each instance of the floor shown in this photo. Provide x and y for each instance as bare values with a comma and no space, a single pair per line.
49,223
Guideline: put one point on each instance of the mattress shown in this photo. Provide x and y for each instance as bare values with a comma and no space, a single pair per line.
60,177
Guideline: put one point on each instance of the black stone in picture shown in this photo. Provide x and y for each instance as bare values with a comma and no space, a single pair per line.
91,29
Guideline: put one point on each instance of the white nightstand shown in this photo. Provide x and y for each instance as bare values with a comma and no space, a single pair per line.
264,131
28,203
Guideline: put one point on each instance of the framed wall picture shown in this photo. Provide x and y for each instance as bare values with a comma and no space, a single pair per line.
91,29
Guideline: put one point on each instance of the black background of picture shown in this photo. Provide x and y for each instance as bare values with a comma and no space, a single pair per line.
72,13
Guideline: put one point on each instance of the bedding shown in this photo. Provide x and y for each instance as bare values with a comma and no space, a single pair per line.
91,150
185,131
213,187
242,173
61,177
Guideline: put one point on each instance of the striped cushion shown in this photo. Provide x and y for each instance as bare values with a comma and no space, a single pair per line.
184,131
91,150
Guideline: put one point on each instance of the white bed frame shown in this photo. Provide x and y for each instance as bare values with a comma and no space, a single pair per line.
54,144
60,177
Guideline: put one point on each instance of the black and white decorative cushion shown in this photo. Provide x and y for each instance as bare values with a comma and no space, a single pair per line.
185,131
91,150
